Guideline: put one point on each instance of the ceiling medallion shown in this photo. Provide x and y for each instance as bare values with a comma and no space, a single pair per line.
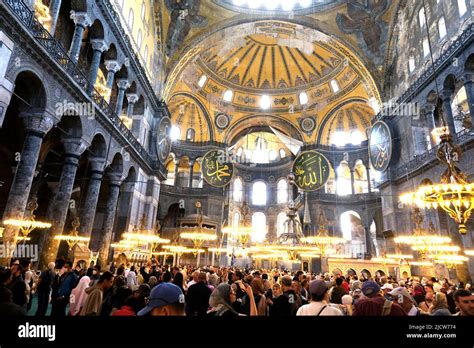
222,121
307,124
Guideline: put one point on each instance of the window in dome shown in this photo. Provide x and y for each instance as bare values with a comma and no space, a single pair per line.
272,156
175,133
228,95
190,134
335,86
282,191
356,137
202,81
303,98
130,19
422,17
442,28
139,39
462,7
143,13
411,64
265,102
237,193
426,48
339,139
282,153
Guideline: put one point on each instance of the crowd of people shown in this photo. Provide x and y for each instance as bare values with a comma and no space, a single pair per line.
158,290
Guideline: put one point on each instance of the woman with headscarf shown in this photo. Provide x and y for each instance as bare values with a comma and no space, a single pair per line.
78,296
440,305
258,291
222,299
153,281
178,280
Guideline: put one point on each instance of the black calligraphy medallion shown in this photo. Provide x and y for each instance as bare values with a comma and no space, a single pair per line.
380,146
311,170
216,168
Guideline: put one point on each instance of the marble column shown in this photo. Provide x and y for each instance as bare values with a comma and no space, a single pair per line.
368,241
176,169
59,206
109,218
37,124
191,173
430,121
82,21
369,181
92,196
352,181
54,8
468,80
98,47
122,84
132,99
112,67
336,177
446,96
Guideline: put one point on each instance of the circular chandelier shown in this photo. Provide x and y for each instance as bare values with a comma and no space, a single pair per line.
28,224
198,234
73,238
324,243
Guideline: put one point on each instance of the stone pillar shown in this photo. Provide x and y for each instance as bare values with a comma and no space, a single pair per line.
468,80
369,182
336,176
82,21
132,99
59,206
368,241
37,124
98,47
176,168
112,67
54,8
191,173
122,84
430,121
352,181
109,219
124,209
448,112
92,196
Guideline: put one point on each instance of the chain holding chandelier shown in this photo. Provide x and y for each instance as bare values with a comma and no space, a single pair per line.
198,234
28,224
73,238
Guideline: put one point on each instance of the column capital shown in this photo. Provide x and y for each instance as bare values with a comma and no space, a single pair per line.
467,77
123,84
132,98
37,121
112,66
81,18
74,147
97,163
99,45
115,178
429,107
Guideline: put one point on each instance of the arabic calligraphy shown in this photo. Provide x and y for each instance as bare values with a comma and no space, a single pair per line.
311,170
214,171
380,147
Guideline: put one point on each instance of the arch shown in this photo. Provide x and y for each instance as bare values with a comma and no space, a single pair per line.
344,182
30,90
351,272
97,30
259,193
70,125
469,64
139,108
237,190
111,53
360,177
116,165
337,272
98,146
281,219
449,83
365,273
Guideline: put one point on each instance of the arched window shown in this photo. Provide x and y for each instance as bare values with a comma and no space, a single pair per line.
442,28
259,193
282,191
239,151
130,19
343,180
422,17
282,153
139,39
238,190
236,219
143,12
426,48
190,133
145,55
281,218
272,156
259,227
335,86
411,64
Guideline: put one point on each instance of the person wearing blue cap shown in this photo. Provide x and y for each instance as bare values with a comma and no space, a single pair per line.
374,304
166,299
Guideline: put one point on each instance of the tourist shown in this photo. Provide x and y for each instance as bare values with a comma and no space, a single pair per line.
127,310
8,309
401,296
120,299
319,305
439,306
222,299
131,277
78,296
197,298
17,286
464,300
152,282
338,291
386,288
178,280
43,289
194,279
426,304
66,282
374,304
285,305
166,299
95,275
259,298
346,306
95,295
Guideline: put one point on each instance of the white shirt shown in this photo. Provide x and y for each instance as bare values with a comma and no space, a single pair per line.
131,279
314,308
413,311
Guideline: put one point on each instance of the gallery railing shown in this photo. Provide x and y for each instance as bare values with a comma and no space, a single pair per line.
56,51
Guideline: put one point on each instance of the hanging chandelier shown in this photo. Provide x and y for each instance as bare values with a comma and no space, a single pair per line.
422,240
198,234
28,224
324,243
73,238
243,232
